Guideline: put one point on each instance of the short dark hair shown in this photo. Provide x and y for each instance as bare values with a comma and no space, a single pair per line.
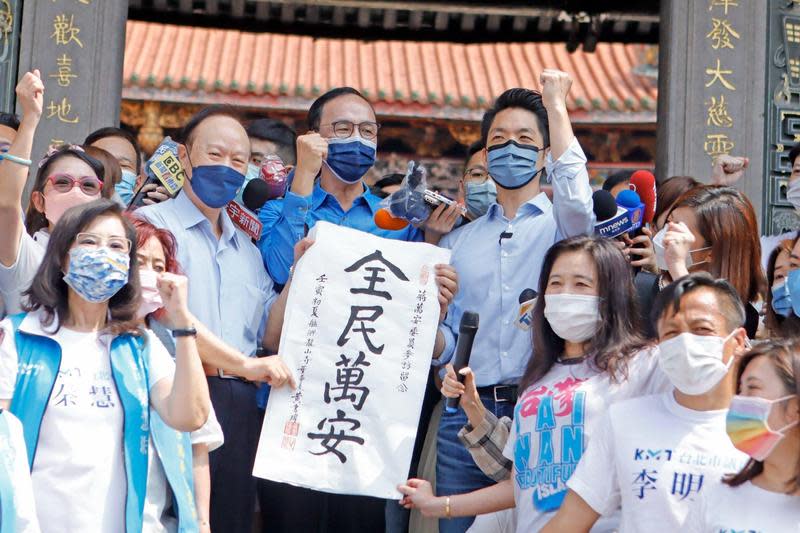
386,181
523,99
10,120
473,149
669,299
186,135
315,111
110,131
49,291
793,153
616,178
617,339
34,219
278,133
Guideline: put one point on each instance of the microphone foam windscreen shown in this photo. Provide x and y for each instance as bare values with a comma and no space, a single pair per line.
385,220
255,194
628,198
605,206
644,183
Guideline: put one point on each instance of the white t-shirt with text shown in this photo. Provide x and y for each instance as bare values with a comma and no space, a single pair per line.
78,472
553,422
746,508
654,456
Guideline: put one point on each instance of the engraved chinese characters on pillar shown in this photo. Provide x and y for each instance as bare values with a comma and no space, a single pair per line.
722,38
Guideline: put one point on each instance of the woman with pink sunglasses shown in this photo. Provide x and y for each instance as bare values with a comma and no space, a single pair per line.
66,177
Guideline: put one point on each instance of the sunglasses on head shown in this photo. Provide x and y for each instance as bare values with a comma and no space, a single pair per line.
90,185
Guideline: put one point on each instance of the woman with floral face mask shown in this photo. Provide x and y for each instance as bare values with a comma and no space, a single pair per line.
714,229
65,177
157,257
763,423
588,355
100,380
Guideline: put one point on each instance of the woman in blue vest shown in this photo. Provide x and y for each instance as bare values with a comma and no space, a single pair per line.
82,377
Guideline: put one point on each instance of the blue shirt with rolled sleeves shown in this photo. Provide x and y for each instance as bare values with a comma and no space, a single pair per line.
229,290
493,271
287,220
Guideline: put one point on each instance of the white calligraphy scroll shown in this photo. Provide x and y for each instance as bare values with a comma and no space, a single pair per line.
358,334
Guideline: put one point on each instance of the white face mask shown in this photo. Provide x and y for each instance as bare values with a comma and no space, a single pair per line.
693,363
151,297
658,248
793,194
573,317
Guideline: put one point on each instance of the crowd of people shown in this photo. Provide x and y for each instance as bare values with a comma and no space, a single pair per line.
656,386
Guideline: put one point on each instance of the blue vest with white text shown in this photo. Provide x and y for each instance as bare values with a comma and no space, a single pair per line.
39,362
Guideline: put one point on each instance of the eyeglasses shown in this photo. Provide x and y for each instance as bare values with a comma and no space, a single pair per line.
94,241
90,185
476,174
344,129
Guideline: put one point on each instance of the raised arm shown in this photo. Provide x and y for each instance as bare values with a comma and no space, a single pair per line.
183,402
566,162
13,175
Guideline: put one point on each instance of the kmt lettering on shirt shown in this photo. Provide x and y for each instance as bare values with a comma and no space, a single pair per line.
547,473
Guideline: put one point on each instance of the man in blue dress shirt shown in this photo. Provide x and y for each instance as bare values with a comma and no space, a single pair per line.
500,255
328,185
230,294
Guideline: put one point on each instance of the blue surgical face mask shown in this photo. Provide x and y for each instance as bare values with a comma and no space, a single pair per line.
781,300
216,185
125,187
793,286
96,275
252,172
513,165
479,196
349,159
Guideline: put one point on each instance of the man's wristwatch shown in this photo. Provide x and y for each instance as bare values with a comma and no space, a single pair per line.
186,332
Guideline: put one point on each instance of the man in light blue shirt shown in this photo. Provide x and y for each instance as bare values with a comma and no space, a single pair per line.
500,255
230,293
328,180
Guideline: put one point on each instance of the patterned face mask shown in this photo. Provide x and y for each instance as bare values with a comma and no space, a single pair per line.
97,274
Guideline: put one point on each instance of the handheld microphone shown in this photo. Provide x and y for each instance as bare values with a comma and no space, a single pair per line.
163,168
255,195
631,201
527,299
643,183
626,215
604,205
466,336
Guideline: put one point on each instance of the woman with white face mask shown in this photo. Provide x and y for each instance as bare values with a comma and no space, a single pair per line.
588,354
714,229
763,423
156,252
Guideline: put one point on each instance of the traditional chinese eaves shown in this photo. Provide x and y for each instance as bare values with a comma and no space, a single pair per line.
402,78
